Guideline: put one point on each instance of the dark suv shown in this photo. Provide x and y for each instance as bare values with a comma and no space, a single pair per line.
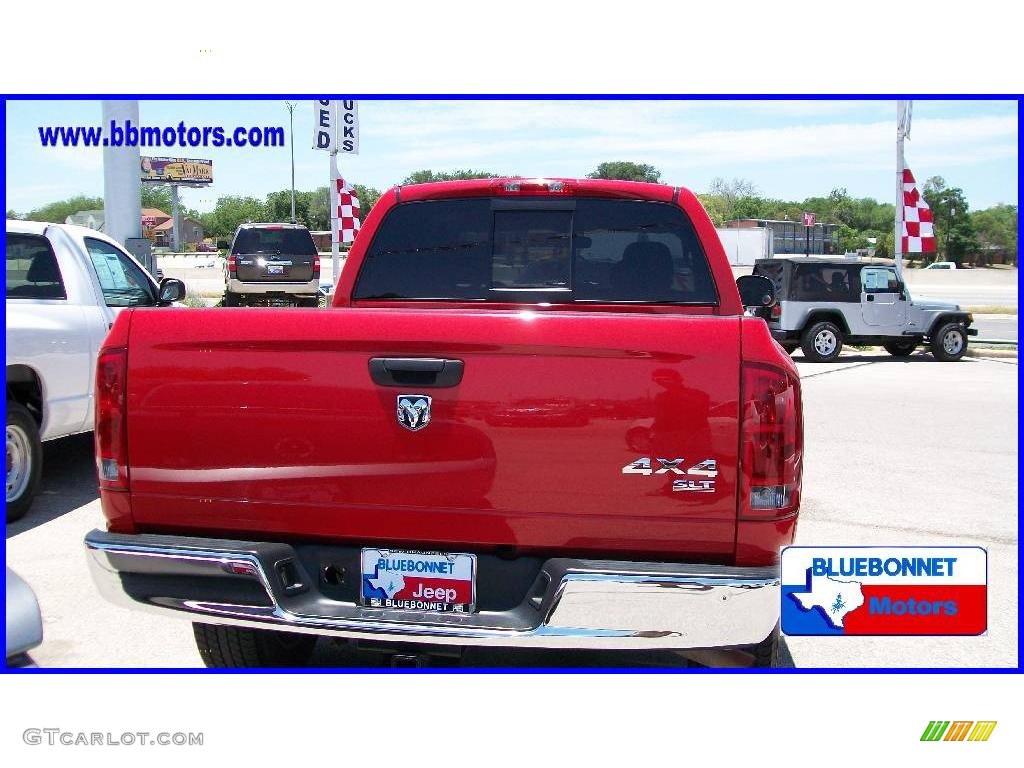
270,262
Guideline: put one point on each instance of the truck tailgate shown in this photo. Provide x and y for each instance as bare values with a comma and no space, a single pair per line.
267,423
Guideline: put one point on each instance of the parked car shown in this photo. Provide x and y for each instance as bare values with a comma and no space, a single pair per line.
822,303
272,261
449,456
942,265
65,285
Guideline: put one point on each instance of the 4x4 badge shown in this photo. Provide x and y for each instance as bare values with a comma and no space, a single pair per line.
414,411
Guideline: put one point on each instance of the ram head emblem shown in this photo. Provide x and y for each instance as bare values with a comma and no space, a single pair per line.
414,411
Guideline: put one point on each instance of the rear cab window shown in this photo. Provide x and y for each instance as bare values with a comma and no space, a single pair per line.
274,240
537,250
32,270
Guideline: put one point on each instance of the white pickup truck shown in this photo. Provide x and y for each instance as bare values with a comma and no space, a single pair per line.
65,286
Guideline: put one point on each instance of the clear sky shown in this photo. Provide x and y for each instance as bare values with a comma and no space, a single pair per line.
789,149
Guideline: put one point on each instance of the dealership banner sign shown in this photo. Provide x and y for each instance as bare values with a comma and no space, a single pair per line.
170,170
336,125
884,590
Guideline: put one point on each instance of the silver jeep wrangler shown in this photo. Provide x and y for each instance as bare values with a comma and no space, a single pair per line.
822,303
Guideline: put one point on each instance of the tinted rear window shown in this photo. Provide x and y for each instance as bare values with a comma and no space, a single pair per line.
596,250
296,242
773,272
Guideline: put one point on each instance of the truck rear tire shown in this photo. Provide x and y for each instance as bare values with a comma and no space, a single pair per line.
950,343
900,348
222,646
822,342
24,460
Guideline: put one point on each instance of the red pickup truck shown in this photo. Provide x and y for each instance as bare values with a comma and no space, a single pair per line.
536,415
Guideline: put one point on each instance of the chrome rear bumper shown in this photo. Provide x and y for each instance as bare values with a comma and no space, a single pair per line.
572,604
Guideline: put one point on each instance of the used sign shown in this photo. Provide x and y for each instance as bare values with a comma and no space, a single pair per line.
336,125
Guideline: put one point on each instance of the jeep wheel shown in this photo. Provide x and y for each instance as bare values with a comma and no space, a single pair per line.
900,348
950,343
222,646
822,342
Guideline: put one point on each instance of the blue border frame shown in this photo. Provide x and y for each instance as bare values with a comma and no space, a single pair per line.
1018,97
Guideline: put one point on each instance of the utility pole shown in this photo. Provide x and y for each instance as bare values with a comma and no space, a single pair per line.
291,140
903,114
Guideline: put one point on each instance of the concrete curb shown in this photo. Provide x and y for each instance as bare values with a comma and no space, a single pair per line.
1001,354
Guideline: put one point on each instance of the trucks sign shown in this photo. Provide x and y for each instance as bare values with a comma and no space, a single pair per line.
177,170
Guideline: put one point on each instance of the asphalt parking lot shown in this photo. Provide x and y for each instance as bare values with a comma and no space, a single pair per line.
897,453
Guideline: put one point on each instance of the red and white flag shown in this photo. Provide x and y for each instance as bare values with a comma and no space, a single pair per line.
348,212
918,230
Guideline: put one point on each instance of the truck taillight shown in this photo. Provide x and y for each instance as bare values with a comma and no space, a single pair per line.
776,311
111,433
316,266
771,455
232,264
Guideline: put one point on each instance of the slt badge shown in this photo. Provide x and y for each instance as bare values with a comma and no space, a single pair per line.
414,411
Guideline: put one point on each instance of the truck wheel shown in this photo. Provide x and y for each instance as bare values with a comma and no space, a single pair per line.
230,299
900,348
222,646
766,653
24,460
950,343
822,342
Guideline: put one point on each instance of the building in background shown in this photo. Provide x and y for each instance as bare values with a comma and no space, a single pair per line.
156,225
792,237
90,219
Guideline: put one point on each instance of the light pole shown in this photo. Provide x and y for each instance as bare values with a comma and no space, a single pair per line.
291,140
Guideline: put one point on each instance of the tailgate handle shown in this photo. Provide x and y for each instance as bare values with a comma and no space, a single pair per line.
415,371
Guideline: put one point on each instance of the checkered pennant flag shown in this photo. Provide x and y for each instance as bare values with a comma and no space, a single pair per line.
348,212
918,230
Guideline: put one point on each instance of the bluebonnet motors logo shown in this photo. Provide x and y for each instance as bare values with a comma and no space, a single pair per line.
884,590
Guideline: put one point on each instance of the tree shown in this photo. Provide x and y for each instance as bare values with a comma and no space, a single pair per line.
424,176
157,196
11,214
624,170
955,237
729,193
997,231
231,211
57,213
368,197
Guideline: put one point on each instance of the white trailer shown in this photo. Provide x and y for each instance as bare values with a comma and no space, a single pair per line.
745,246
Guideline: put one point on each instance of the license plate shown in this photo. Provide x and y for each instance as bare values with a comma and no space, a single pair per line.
272,270
418,581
